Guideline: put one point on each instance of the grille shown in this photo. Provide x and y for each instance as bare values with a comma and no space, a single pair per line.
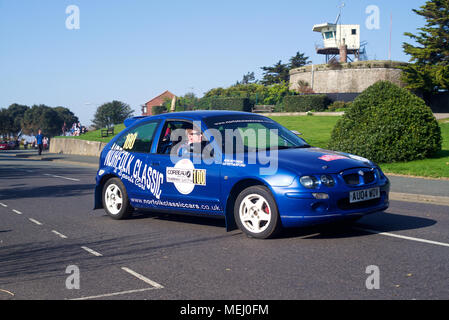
352,179
369,177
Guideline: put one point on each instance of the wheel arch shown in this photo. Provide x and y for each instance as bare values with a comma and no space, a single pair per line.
99,190
233,194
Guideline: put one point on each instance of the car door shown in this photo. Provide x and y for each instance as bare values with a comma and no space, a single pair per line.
191,183
141,181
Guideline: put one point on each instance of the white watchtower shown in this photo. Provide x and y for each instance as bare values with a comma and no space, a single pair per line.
339,39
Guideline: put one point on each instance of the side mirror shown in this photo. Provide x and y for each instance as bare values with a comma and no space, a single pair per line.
296,132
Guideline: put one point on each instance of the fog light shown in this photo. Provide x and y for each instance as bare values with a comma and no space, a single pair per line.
319,207
321,196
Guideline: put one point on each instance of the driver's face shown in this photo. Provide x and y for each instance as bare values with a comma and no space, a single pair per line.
194,136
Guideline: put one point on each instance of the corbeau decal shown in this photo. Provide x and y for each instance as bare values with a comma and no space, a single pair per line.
185,176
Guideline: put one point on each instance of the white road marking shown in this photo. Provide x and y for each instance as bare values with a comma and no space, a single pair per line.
3,205
8,292
403,237
16,211
61,177
59,234
144,279
115,294
95,253
35,221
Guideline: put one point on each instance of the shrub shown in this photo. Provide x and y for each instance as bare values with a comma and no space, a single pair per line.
232,103
304,103
386,124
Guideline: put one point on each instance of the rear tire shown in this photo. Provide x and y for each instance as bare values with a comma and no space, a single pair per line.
256,213
115,200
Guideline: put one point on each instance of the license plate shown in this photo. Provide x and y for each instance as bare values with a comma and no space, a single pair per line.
364,195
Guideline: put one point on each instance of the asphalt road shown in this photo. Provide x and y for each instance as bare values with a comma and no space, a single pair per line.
49,233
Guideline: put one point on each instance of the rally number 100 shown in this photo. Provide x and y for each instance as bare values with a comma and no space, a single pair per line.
199,177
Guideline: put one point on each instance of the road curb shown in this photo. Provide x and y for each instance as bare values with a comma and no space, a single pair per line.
415,177
419,198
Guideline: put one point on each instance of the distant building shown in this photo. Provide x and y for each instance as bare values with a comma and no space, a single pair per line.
338,39
157,101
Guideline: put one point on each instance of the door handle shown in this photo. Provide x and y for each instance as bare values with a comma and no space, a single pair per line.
156,163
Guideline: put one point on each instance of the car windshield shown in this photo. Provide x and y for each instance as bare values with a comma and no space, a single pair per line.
251,133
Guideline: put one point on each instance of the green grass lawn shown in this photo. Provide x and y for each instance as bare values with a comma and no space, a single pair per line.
96,135
316,130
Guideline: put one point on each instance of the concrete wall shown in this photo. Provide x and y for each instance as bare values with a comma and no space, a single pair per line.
75,146
350,78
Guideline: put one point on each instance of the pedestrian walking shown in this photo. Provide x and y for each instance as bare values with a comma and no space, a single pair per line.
39,140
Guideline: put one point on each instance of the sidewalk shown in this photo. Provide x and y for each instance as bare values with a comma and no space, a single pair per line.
54,157
408,189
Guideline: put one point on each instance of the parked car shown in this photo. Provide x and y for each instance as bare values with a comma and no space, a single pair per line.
13,145
4,145
244,167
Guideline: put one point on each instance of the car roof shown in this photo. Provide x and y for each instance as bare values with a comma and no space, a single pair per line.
202,114
190,115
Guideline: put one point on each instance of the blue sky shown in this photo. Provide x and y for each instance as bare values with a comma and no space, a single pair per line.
134,50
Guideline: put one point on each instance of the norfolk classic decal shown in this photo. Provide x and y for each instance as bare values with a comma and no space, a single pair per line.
135,172
185,176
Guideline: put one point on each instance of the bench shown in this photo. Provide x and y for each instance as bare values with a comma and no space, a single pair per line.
262,109
107,132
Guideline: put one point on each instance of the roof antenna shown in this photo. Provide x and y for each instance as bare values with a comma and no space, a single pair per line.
341,6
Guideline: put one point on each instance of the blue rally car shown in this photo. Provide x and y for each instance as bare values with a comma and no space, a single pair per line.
244,167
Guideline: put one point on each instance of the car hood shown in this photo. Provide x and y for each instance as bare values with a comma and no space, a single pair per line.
316,160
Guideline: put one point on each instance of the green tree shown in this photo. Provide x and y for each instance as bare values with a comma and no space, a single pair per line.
111,113
186,102
6,122
429,69
248,78
298,60
275,74
66,115
16,112
41,117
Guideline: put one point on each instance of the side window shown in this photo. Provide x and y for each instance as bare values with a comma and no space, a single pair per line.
166,141
138,139
180,137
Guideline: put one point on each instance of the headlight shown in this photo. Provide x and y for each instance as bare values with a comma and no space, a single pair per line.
328,181
380,174
309,182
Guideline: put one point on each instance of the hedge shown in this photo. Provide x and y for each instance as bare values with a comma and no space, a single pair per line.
304,103
155,110
234,103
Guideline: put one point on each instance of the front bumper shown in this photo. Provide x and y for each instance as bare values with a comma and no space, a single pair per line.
300,208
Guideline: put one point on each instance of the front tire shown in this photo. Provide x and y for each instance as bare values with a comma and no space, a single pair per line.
256,213
115,200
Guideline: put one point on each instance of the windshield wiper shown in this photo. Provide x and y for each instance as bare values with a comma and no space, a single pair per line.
306,146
